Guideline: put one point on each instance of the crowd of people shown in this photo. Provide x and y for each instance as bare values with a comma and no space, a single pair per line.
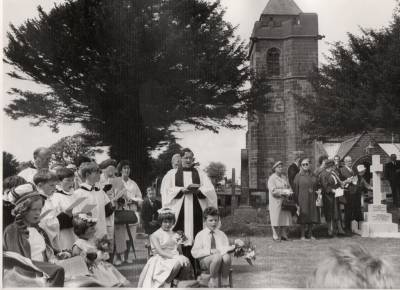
310,194
92,211
52,214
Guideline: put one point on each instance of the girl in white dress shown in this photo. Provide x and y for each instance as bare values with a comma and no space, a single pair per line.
167,263
85,245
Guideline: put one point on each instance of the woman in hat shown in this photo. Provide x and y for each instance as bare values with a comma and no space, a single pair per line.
25,237
330,182
278,188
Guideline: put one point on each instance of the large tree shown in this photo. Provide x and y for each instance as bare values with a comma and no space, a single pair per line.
359,87
131,70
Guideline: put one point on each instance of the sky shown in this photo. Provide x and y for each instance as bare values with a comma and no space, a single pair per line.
336,19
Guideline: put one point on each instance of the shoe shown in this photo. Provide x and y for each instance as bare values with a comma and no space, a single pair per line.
303,239
312,238
212,283
117,262
129,260
286,239
277,240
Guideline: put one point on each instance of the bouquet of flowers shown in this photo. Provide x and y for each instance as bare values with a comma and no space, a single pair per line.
245,249
181,238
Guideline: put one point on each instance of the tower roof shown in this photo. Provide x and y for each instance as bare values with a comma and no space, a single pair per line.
281,7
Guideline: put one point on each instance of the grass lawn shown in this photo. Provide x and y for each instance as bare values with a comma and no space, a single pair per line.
285,264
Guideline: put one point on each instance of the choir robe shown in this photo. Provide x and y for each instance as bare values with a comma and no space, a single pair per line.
188,208
62,201
102,209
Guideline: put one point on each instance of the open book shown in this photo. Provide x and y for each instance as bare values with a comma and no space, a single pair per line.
74,267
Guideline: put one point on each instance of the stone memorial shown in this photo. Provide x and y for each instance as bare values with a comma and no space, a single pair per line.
377,221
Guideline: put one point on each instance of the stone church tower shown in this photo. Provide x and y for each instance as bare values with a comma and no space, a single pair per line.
283,46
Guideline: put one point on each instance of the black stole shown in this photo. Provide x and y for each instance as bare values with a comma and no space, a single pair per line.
197,212
179,176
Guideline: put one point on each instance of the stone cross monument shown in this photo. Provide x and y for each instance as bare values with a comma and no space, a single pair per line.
377,221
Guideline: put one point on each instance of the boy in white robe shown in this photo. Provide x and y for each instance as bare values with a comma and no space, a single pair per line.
95,198
62,198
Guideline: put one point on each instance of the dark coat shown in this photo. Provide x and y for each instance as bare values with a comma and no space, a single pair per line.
305,187
149,215
345,173
330,206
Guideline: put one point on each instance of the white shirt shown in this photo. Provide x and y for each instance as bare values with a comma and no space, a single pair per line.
37,244
49,223
202,243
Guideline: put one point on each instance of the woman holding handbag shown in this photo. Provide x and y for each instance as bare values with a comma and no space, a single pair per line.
305,195
279,188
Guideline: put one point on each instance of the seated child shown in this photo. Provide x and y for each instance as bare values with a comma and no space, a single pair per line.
85,245
25,237
211,247
167,261
149,212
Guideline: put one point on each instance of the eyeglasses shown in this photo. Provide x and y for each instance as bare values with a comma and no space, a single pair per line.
305,164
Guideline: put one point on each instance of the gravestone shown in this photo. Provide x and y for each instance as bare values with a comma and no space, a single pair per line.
377,221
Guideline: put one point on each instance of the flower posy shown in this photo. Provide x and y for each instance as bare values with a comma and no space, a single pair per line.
245,249
181,238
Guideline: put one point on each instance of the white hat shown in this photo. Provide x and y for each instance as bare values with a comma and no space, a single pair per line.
361,168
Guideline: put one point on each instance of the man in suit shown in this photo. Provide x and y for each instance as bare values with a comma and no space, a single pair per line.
392,173
293,169
348,178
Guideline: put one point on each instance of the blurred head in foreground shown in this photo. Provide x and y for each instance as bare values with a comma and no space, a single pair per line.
352,267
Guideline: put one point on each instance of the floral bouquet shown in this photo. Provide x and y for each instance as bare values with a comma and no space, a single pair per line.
181,239
245,249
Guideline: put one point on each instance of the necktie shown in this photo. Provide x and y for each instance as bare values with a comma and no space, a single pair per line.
213,244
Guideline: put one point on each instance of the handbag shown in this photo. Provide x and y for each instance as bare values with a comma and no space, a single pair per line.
122,217
288,204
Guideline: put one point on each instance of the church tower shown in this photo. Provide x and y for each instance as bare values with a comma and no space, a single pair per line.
284,47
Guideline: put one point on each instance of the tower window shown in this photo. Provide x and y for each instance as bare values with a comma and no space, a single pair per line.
273,68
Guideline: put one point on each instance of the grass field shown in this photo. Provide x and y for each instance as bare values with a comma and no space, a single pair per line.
285,264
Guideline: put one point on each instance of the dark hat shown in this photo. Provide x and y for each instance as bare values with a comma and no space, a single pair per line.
329,163
108,162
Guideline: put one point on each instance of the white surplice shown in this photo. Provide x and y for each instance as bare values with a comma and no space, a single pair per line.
169,191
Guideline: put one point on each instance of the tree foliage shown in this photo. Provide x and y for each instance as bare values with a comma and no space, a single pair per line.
10,165
68,149
131,70
216,172
359,88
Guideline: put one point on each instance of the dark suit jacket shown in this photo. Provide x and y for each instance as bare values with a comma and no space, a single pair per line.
390,171
148,214
292,172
